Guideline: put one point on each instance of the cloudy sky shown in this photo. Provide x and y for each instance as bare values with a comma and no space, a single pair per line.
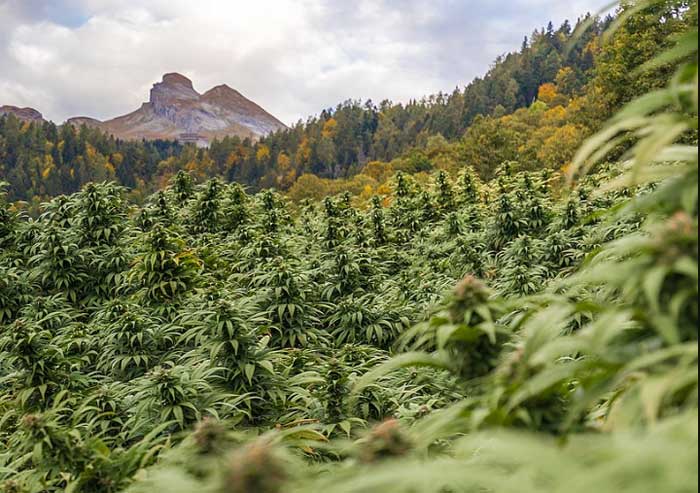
99,58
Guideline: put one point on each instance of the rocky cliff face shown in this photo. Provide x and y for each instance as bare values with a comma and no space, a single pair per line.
173,89
24,114
175,110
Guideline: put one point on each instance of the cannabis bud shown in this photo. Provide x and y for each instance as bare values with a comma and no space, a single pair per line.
256,467
468,292
208,435
31,421
384,441
11,486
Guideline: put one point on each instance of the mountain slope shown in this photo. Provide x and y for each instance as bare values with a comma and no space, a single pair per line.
24,114
175,110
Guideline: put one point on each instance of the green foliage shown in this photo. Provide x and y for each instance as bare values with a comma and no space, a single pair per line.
214,340
41,160
165,269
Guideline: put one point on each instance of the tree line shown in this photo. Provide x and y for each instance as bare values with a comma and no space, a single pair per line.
535,106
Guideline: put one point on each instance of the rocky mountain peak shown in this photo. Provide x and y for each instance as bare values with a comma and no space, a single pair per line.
175,110
174,87
24,114
222,89
173,78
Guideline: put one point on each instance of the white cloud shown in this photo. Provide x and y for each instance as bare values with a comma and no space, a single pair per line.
294,57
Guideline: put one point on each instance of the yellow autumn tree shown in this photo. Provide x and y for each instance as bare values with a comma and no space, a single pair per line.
283,162
565,80
285,173
116,159
378,170
263,153
231,160
303,154
547,92
559,148
330,127
308,186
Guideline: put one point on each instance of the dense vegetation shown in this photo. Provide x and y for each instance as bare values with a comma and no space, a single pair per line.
533,332
41,160
535,106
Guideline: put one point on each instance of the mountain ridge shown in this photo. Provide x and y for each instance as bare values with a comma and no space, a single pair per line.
25,114
175,110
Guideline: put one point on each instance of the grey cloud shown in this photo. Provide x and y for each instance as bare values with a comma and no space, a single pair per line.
294,57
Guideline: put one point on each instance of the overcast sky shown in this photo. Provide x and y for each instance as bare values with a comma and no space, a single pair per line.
99,58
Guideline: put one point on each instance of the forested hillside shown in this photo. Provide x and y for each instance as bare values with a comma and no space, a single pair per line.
509,329
534,106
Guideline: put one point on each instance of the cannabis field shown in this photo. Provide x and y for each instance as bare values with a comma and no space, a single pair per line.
534,333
